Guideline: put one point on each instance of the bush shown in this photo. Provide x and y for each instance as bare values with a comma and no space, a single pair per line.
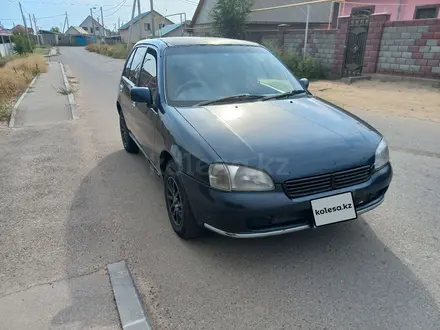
21,43
308,67
6,59
15,77
115,51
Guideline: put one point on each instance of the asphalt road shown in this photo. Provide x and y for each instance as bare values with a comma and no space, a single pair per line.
379,272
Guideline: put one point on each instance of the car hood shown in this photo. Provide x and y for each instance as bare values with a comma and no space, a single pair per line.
290,138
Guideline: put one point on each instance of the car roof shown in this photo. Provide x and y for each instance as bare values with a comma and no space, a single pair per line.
187,41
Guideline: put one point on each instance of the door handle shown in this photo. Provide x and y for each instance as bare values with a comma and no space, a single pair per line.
121,87
133,103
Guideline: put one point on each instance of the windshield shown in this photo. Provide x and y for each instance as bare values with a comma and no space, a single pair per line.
196,74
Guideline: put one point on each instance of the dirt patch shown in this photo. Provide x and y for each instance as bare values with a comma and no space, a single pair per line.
405,99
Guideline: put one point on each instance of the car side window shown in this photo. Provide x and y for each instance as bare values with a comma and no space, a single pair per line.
137,64
128,64
148,72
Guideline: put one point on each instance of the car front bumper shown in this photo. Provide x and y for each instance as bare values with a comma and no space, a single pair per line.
261,214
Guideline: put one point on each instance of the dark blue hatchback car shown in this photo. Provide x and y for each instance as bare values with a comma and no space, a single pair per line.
244,149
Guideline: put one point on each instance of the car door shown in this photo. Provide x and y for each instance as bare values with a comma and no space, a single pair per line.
132,117
148,114
124,89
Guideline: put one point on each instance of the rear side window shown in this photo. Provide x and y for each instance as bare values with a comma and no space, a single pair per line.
136,65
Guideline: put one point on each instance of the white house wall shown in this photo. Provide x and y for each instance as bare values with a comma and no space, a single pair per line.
136,34
319,12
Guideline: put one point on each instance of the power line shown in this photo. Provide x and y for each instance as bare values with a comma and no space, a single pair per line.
119,4
191,2
117,9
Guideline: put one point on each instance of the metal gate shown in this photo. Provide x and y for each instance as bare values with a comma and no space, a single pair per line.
356,43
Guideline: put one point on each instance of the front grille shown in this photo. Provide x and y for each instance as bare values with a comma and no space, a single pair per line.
321,183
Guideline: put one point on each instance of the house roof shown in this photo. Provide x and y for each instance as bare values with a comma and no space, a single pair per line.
135,20
167,29
79,29
319,12
46,32
95,22
20,27
5,32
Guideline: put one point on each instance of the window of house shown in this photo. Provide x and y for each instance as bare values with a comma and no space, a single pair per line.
91,30
97,29
363,10
86,28
429,11
148,72
147,26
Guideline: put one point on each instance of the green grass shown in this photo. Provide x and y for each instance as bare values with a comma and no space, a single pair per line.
4,112
43,50
115,51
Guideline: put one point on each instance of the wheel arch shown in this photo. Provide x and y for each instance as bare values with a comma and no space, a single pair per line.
165,158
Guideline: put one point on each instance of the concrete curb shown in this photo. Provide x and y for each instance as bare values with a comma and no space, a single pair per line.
17,104
131,312
71,98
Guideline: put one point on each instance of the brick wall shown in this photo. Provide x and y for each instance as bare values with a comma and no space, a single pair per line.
375,30
320,44
410,48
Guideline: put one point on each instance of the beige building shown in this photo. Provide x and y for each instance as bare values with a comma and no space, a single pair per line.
93,27
269,19
143,26
76,31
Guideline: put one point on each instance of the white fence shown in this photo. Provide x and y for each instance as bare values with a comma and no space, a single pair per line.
6,49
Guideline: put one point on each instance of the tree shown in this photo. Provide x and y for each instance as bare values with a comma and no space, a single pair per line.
230,18
21,43
55,29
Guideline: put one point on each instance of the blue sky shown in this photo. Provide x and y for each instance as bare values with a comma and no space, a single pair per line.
50,13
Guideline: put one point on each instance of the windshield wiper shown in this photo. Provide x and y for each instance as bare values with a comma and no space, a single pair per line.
239,97
284,95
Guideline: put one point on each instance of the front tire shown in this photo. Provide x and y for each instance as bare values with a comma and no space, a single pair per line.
179,211
129,145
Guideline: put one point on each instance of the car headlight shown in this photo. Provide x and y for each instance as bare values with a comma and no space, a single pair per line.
239,178
382,155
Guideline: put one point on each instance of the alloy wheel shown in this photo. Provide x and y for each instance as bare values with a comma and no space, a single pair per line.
174,201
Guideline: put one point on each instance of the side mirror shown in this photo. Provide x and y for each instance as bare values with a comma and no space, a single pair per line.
141,95
304,83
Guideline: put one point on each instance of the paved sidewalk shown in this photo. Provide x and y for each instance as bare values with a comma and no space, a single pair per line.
43,104
78,303
43,161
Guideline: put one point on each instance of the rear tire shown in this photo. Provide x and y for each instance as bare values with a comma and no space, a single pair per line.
129,145
179,211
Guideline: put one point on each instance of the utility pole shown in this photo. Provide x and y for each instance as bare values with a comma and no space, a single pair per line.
102,23
67,20
25,28
119,22
93,21
139,14
36,31
131,24
64,26
153,28
30,22
307,32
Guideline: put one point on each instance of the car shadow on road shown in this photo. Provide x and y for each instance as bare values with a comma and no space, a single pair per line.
341,275
96,235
